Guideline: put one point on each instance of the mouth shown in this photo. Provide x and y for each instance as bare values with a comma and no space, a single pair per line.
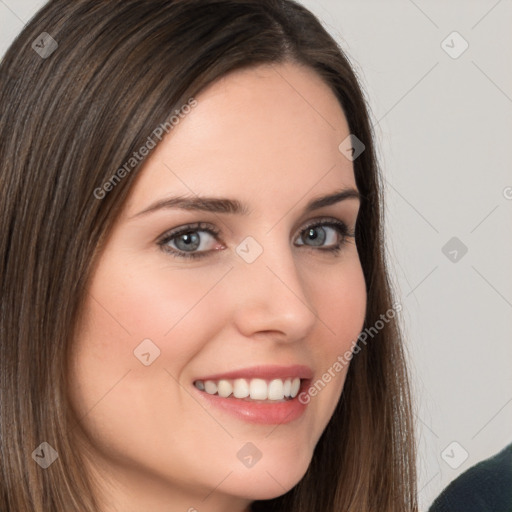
275,390
258,395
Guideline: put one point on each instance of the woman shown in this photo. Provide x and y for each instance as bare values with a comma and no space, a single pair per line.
192,243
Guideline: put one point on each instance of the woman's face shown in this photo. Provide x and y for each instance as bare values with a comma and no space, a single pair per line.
194,298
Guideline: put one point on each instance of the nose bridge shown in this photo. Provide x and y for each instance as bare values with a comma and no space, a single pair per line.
271,296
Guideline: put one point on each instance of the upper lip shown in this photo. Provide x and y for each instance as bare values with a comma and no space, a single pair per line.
264,372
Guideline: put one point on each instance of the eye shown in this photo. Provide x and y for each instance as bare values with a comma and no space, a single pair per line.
328,235
197,240
187,242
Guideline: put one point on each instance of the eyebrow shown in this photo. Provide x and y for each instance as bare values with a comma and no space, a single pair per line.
233,206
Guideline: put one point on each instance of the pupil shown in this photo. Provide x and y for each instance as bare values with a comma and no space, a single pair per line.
314,237
188,241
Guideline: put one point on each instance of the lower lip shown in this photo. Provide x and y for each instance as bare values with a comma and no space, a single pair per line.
268,413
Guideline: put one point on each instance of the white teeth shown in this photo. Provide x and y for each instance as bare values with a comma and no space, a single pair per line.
275,390
256,389
295,388
224,388
287,388
240,388
210,387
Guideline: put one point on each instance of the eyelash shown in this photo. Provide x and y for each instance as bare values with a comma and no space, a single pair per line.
340,227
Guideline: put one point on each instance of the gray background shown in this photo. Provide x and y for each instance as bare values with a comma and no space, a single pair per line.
444,128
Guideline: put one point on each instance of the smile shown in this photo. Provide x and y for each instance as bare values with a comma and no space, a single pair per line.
252,389
260,394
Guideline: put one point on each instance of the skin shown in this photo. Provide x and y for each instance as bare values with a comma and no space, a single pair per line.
268,137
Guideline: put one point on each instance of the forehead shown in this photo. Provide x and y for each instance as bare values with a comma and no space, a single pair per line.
270,132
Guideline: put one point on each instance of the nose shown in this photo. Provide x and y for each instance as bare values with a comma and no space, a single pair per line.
271,296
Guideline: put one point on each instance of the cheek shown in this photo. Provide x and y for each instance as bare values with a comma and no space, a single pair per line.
341,305
147,301
117,396
129,303
151,301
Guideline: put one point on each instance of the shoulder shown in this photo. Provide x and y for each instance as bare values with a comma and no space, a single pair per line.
485,487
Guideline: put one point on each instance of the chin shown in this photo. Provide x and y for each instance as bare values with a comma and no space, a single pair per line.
265,482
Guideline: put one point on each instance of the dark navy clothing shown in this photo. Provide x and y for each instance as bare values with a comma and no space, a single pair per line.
485,487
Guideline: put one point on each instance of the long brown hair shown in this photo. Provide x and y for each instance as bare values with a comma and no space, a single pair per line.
73,112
